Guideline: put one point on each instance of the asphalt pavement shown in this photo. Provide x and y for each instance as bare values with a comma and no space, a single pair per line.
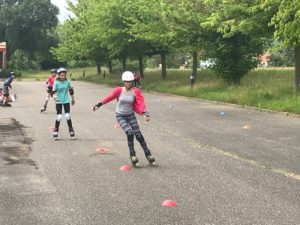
220,164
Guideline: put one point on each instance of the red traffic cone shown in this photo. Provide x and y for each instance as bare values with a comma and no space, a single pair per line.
101,150
125,168
169,203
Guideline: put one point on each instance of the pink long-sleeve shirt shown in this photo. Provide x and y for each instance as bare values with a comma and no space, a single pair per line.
139,106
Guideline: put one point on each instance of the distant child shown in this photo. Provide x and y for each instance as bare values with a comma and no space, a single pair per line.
5,90
49,84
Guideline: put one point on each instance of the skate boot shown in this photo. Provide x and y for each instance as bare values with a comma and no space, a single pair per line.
72,133
151,160
43,109
55,134
134,160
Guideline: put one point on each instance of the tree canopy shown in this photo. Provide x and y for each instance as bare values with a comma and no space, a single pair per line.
28,25
286,19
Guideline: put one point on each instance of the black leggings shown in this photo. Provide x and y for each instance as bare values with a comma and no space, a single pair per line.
60,106
59,115
130,126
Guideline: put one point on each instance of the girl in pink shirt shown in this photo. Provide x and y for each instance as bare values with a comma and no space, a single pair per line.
49,84
130,101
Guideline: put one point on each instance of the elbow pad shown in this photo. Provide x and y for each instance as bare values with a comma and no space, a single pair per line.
71,91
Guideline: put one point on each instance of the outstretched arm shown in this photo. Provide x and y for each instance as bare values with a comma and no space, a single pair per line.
115,93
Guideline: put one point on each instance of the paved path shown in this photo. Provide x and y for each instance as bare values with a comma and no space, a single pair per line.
217,171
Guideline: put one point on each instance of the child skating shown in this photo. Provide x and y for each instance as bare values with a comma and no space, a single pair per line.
49,84
5,89
130,101
62,89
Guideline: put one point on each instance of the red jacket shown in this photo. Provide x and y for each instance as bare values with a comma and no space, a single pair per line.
138,105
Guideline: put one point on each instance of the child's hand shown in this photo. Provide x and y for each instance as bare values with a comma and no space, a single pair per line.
97,106
147,118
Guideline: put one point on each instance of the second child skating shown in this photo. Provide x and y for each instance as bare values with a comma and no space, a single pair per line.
62,90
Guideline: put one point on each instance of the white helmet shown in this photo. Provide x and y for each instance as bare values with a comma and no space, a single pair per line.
61,70
127,76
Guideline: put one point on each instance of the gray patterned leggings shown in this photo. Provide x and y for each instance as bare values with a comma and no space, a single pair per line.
131,127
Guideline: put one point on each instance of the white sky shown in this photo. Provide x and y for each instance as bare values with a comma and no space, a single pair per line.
63,12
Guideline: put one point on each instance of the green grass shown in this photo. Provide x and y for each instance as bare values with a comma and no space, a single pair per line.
268,88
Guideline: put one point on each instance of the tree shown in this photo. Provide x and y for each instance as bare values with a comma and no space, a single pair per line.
150,25
238,35
286,21
183,19
116,20
27,25
79,37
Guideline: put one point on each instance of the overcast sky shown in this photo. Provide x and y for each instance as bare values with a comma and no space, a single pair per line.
63,12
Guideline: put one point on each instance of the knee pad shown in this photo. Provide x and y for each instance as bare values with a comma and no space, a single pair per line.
47,98
13,99
139,137
130,135
68,116
58,117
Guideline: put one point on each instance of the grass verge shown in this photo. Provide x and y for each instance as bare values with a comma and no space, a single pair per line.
267,88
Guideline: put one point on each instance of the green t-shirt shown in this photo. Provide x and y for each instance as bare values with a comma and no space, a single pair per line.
62,91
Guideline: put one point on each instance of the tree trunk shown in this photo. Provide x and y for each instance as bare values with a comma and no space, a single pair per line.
98,69
110,66
141,66
163,66
195,65
297,68
124,63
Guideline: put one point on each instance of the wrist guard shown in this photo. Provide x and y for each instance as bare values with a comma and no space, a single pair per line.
71,91
99,105
146,114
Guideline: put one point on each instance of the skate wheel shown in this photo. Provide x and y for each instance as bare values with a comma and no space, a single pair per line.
136,165
152,163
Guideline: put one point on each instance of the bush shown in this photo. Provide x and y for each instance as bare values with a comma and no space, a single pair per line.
234,56
20,60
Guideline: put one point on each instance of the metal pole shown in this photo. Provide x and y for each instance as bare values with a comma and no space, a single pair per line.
192,80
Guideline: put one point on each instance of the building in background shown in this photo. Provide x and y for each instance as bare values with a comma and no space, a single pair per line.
3,57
